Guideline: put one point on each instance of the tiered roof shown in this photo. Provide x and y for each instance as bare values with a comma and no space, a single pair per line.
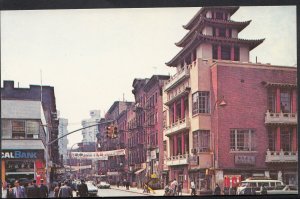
239,26
195,37
203,10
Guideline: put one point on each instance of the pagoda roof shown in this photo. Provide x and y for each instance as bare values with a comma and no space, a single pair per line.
203,10
201,38
203,21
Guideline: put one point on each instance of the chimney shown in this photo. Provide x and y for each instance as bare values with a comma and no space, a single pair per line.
8,84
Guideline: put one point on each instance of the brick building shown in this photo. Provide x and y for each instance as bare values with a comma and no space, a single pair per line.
114,167
227,118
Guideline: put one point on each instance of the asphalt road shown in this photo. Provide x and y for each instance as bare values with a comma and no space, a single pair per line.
116,193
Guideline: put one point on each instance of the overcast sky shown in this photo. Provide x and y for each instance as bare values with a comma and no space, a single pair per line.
91,57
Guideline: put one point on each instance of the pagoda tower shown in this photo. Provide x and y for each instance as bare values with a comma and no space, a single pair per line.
213,35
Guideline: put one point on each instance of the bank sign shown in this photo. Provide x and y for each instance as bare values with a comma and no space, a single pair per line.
22,154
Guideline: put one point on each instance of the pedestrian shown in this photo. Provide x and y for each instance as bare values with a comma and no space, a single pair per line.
263,190
9,192
56,190
127,185
65,191
217,190
124,182
193,187
33,190
174,185
83,189
43,190
18,191
179,190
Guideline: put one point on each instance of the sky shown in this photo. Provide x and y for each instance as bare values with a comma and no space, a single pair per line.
92,56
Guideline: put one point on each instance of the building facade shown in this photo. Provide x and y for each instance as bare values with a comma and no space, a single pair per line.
226,118
24,139
114,167
63,142
89,134
44,94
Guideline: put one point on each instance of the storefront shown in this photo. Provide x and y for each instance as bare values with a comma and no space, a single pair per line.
180,173
22,163
202,179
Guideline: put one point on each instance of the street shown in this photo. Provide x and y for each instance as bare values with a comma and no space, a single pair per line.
116,193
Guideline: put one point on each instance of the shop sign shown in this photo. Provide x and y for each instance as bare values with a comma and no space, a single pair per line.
153,155
22,154
244,160
194,160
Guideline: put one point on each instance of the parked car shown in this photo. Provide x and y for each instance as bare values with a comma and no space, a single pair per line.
92,190
287,189
103,185
257,183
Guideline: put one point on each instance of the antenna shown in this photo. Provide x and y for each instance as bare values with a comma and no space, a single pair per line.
41,88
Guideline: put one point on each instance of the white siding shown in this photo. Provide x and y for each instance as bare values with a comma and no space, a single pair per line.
21,109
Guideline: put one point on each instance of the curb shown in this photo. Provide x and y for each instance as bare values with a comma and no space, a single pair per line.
131,191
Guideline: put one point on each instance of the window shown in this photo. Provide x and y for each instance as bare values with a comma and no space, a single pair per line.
230,32
271,100
18,129
201,140
242,140
204,102
200,102
236,53
214,31
219,15
225,52
285,139
285,101
222,32
195,103
32,129
165,145
215,51
6,128
271,139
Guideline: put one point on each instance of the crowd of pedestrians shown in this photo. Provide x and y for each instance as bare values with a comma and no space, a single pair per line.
28,190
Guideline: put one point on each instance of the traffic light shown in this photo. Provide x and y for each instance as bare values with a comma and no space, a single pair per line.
109,131
115,132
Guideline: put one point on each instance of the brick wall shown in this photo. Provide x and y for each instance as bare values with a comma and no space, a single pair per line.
246,100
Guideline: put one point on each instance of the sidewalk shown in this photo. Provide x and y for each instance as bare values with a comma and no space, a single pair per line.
159,192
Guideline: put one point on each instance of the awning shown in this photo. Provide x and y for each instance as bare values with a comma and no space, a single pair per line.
139,171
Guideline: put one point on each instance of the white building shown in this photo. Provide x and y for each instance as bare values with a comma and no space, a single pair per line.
63,142
89,134
25,135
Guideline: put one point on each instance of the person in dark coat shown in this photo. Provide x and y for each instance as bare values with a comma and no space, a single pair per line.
9,191
33,190
83,189
43,190
217,190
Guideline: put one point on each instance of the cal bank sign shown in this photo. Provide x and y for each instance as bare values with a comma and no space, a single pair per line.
22,154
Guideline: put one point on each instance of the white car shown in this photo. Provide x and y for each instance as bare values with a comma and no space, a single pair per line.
103,185
92,190
287,189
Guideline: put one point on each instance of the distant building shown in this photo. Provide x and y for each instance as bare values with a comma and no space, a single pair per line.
89,134
63,142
